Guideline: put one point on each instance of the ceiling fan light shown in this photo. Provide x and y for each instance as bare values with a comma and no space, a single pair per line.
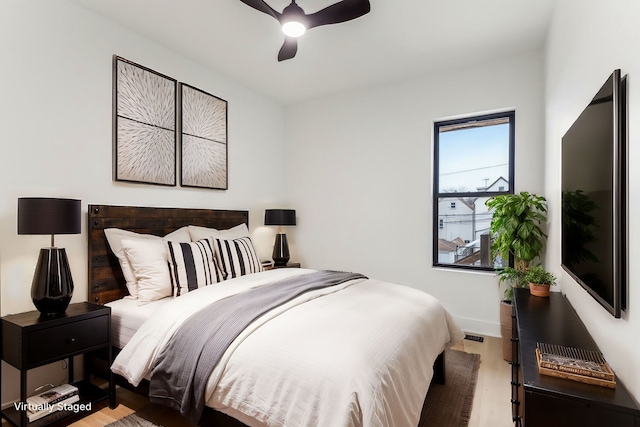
293,28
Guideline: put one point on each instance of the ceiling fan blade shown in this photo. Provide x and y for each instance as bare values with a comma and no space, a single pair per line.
288,49
345,10
262,7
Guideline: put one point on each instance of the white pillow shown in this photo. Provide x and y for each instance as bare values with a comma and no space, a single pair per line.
199,233
179,235
115,237
148,259
192,265
236,257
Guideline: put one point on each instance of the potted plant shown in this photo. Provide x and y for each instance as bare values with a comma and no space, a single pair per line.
516,227
513,278
540,280
516,232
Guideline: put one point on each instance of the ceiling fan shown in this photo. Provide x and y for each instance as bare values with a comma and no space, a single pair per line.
295,22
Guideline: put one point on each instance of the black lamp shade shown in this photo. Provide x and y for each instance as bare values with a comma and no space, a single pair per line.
280,217
52,285
42,215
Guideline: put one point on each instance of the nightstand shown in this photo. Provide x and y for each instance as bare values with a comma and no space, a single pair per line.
289,265
30,340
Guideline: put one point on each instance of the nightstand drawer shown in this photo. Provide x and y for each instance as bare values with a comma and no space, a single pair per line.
289,265
65,340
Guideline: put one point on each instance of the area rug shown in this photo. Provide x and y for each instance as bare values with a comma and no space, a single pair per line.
446,405
152,415
449,404
132,420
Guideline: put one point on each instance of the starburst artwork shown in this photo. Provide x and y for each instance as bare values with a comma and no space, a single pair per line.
144,124
204,139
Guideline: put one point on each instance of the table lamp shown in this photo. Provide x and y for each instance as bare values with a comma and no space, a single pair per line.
52,285
280,217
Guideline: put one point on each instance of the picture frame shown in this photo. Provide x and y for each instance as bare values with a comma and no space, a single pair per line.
203,139
144,124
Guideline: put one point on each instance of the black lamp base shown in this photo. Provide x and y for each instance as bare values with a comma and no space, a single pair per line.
280,250
52,285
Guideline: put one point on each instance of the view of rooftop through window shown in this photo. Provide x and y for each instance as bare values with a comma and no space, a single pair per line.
473,161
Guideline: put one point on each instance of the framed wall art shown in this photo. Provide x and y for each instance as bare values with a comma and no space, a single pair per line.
144,122
203,139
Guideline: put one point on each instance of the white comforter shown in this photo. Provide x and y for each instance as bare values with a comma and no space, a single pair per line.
361,355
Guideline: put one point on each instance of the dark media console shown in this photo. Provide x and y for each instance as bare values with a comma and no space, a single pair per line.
541,400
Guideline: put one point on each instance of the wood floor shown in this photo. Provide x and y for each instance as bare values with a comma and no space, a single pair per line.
492,400
491,404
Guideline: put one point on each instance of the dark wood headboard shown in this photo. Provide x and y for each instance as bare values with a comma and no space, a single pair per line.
106,282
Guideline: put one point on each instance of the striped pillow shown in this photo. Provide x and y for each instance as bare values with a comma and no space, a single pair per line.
192,265
237,257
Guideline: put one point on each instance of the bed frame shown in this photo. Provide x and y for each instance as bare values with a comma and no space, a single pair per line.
106,282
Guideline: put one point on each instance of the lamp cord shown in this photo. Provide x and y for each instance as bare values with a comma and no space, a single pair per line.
63,381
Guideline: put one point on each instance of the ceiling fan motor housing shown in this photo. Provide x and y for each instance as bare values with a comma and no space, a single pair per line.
293,15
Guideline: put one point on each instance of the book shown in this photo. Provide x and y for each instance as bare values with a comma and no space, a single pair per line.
576,364
50,409
576,361
52,396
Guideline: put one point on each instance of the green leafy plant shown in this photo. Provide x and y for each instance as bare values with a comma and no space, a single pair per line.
516,227
514,278
538,275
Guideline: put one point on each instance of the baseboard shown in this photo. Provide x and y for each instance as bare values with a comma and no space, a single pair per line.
479,327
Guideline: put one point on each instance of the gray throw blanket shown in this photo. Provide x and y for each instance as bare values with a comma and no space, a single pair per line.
179,376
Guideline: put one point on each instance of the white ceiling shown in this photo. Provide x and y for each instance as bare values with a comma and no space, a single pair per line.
397,40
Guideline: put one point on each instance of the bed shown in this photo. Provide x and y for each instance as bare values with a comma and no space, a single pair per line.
359,353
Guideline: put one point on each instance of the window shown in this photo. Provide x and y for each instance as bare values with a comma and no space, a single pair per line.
473,160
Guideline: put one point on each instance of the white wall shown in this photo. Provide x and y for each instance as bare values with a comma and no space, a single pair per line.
55,135
586,42
359,174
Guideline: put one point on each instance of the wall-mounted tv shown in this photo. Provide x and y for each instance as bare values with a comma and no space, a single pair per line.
594,197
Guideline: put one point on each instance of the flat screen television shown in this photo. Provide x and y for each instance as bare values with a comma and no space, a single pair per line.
594,197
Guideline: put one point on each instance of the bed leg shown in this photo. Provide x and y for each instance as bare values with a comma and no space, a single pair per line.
438,369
